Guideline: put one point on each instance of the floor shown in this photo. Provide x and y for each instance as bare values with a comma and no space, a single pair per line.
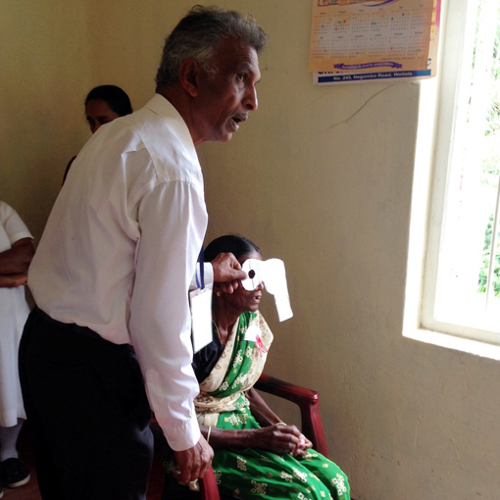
30,490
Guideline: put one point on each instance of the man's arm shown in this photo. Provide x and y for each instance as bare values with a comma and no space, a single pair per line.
17,258
172,220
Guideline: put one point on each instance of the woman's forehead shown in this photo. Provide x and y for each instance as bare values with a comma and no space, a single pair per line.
252,255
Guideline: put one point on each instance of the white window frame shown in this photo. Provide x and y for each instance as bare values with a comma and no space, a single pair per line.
437,111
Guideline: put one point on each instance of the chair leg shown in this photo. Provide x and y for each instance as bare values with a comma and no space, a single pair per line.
208,486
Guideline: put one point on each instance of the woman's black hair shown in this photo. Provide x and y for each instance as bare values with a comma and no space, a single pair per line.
237,245
114,96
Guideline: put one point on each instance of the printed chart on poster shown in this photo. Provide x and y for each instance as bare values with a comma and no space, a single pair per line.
360,40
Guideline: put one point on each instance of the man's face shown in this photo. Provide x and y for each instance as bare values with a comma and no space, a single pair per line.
225,99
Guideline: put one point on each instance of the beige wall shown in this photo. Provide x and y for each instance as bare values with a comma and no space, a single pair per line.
320,177
44,54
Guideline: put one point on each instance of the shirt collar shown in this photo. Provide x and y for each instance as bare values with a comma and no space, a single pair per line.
162,107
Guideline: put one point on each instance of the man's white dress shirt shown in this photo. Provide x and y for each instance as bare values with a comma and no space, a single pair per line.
119,252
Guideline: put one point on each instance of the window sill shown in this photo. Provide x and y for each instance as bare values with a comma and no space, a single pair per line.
452,342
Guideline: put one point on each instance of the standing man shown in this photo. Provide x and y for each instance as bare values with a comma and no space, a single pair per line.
113,269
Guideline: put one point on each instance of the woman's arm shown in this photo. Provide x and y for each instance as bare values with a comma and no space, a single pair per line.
279,438
13,280
260,410
265,416
17,258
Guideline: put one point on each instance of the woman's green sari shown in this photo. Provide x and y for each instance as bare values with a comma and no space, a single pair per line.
254,473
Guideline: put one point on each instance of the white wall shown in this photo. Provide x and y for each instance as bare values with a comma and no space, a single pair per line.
320,177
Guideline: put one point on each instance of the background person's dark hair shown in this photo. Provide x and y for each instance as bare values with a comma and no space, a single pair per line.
116,98
198,36
230,243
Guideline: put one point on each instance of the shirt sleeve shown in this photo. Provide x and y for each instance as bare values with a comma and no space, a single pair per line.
13,225
208,275
172,220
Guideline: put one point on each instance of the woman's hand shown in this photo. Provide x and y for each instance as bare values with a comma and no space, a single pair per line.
278,438
302,447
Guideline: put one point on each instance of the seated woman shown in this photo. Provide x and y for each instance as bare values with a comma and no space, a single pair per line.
256,454
102,105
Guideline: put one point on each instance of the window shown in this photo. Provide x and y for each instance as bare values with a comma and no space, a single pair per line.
461,280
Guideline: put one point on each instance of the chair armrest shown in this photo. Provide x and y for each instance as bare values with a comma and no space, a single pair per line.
308,402
295,393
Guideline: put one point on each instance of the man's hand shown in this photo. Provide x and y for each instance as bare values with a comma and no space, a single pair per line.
227,272
194,462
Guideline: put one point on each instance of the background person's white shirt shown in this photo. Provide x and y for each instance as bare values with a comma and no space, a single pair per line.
13,313
119,251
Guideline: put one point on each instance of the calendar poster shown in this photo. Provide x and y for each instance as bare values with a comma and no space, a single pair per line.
360,40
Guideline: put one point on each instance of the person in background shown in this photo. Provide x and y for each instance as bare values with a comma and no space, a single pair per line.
16,252
256,455
113,268
102,105
105,103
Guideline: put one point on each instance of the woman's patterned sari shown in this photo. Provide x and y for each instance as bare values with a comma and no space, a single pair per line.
254,473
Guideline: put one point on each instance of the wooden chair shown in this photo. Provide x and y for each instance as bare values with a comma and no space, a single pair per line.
308,402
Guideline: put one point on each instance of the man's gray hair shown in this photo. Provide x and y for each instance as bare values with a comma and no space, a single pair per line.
198,36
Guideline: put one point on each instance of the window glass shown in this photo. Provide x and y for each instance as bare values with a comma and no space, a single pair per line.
467,276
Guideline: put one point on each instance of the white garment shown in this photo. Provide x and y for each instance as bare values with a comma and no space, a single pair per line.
119,252
13,313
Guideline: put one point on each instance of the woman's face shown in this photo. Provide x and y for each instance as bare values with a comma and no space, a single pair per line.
98,113
242,300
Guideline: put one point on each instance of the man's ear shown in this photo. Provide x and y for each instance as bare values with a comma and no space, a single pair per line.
189,73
